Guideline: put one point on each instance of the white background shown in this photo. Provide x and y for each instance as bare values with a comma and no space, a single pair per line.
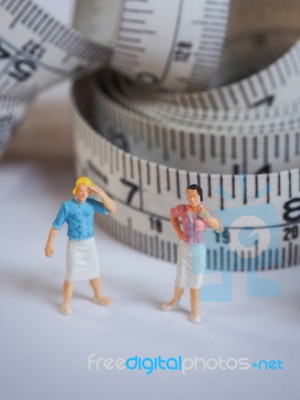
44,355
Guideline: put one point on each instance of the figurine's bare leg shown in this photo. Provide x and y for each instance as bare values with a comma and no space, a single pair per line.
178,292
195,313
98,296
68,291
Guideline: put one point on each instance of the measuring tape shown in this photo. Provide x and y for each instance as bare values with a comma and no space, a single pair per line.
232,125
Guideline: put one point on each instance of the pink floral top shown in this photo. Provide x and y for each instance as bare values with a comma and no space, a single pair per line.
193,225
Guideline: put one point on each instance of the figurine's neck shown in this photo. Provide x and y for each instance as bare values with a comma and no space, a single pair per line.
196,208
79,201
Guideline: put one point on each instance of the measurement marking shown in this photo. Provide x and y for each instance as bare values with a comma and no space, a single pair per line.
187,179
158,186
192,144
212,146
287,67
276,153
268,187
280,73
244,94
138,11
265,149
129,47
223,150
286,148
133,21
165,146
232,95
278,184
209,185
148,173
136,1
172,47
182,145
198,180
295,255
129,39
168,179
142,31
173,141
156,136
294,61
245,154
178,184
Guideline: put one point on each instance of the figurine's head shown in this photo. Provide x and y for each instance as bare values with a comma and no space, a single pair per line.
194,194
81,190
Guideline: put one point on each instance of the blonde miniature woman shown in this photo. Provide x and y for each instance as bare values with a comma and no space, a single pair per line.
82,259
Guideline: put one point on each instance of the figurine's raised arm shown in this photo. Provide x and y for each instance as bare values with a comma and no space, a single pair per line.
212,221
108,203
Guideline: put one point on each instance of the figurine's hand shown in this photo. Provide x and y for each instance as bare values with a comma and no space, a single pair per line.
49,250
109,204
213,222
96,189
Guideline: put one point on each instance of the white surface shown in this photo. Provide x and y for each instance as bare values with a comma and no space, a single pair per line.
44,355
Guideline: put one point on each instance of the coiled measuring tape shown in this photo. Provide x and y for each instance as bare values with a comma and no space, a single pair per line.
236,133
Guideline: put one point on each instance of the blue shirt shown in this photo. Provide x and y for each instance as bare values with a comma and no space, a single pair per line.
79,217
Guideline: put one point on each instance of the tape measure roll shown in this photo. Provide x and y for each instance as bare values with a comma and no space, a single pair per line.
11,114
259,211
190,36
240,142
37,51
230,141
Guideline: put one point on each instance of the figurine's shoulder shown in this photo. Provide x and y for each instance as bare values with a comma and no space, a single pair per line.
97,205
69,201
91,202
68,204
178,210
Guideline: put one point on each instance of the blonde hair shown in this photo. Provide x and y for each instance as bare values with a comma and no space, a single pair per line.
82,180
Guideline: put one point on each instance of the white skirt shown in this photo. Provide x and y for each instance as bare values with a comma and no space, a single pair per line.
82,260
191,265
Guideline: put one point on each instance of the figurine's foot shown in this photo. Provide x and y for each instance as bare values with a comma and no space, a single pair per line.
195,318
103,300
65,309
169,306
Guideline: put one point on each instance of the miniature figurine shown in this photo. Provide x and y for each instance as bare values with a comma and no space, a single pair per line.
82,259
191,261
